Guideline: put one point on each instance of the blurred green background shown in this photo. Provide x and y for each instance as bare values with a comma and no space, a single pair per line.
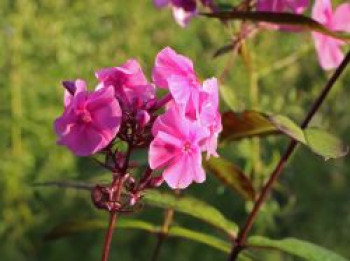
43,42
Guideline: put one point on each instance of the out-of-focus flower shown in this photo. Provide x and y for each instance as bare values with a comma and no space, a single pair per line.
329,49
90,120
130,84
177,146
183,10
280,6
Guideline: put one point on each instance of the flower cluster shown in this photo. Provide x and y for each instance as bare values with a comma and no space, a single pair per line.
183,10
328,49
124,107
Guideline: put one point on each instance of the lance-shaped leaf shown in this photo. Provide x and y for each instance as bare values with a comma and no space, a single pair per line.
192,207
300,21
296,247
319,141
69,228
231,176
288,127
246,124
325,144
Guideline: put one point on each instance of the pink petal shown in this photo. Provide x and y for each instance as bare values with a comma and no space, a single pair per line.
184,170
183,17
322,11
168,64
328,51
83,141
163,149
171,122
341,18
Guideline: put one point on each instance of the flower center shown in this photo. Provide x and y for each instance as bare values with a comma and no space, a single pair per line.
84,116
187,146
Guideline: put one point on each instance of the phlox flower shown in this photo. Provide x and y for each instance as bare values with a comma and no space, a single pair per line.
177,147
130,84
183,10
328,49
90,120
197,102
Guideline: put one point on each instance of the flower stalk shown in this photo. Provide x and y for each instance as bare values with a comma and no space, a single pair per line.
239,243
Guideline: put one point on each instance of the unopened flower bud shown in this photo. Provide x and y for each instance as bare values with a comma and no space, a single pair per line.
142,118
156,182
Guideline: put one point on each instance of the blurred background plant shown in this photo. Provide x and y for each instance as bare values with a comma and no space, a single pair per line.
45,42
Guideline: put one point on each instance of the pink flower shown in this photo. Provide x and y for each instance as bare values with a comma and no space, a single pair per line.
209,114
177,146
280,6
90,120
176,72
328,48
129,82
169,64
183,10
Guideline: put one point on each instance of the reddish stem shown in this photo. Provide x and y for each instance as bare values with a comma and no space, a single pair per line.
117,184
109,234
242,237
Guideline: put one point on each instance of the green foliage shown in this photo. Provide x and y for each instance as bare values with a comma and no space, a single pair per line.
300,248
45,42
193,207
231,176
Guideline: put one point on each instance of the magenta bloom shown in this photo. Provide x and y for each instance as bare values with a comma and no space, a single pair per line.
90,120
177,147
183,10
328,48
209,114
129,82
176,72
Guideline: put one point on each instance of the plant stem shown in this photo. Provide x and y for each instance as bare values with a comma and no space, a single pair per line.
109,234
238,245
168,219
113,215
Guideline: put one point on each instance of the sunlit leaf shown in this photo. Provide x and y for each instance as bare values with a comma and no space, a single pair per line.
193,207
325,144
232,176
69,228
288,127
297,20
200,237
245,124
296,247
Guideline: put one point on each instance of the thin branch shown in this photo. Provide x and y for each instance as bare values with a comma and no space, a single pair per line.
239,243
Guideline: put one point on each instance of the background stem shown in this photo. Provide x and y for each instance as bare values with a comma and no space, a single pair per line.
238,245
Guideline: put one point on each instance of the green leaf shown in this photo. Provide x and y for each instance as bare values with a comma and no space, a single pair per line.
300,21
245,125
70,228
325,144
296,247
192,207
214,242
232,176
288,127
